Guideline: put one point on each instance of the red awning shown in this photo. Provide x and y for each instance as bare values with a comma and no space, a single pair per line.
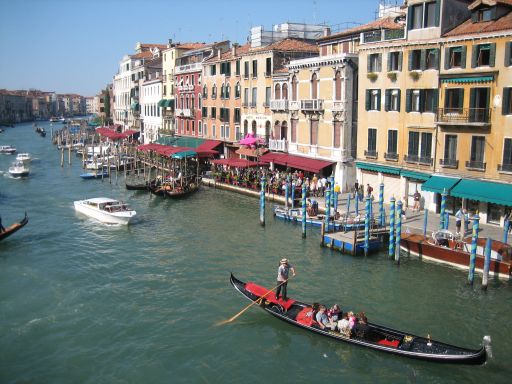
238,163
164,150
297,162
208,144
109,133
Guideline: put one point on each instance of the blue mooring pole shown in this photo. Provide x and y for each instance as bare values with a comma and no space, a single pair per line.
367,214
487,263
425,220
331,179
472,258
398,230
382,220
446,220
262,202
327,207
304,193
292,186
357,203
505,231
348,204
286,189
392,227
443,207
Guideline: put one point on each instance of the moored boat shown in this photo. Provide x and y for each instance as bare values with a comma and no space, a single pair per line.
24,158
376,337
136,183
446,248
106,210
19,169
173,188
7,149
13,228
94,175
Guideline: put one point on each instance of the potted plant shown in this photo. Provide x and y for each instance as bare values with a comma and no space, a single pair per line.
392,76
372,76
415,75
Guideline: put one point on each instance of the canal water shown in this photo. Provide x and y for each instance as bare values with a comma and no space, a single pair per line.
82,302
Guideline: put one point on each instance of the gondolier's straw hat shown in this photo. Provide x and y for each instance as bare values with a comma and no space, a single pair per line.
284,261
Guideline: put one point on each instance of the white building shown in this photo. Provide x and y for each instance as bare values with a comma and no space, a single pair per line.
122,86
150,112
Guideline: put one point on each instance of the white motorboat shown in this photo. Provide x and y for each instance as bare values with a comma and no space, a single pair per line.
7,149
19,169
106,210
24,158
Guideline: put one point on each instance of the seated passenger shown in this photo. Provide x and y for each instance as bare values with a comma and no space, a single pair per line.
334,312
351,320
322,319
344,325
361,329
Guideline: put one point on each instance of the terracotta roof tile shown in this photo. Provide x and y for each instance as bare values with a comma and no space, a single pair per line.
142,55
477,3
190,45
385,23
291,45
468,27
147,46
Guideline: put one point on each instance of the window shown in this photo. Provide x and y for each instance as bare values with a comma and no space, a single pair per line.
432,59
192,79
417,16
415,100
225,68
430,14
374,61
246,96
221,131
395,61
213,70
222,91
255,68
508,55
205,130
268,66
214,113
507,154
277,92
415,60
285,91
392,142
268,93
226,131
485,14
455,57
414,145
373,99
237,68
205,91
423,15
314,86
392,100
237,115
372,141
477,151
506,108
193,123
228,91
337,86
214,133
214,91
426,148
204,111
200,128
246,69
429,100
483,55
254,97
453,100
450,150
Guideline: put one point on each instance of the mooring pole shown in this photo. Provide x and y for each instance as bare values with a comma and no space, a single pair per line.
262,202
472,258
487,262
398,230
304,193
392,227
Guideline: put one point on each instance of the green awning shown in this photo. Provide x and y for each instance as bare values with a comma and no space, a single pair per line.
465,80
169,103
439,184
135,105
162,102
378,168
484,191
414,175
184,154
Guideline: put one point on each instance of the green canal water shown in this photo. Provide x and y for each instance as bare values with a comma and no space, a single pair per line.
82,302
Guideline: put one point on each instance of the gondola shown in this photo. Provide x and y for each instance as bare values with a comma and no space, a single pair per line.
136,184
378,337
166,189
13,228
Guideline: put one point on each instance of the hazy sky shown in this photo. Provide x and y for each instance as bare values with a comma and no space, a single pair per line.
72,46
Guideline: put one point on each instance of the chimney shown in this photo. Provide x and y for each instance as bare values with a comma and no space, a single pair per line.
327,31
169,43
233,48
219,53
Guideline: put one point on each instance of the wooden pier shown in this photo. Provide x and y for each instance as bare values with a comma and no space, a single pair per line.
352,242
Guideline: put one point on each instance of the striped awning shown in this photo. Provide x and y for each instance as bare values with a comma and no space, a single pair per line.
468,80
378,168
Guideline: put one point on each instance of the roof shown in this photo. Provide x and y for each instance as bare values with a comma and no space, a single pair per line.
297,162
190,45
491,3
228,55
147,46
469,27
385,23
290,45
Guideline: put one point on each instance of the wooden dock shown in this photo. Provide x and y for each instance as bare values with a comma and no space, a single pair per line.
352,242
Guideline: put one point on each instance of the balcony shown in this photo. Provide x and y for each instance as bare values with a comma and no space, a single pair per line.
371,154
279,105
505,168
183,88
449,163
381,35
391,156
338,106
184,112
415,159
313,105
253,104
278,145
475,165
468,116
294,105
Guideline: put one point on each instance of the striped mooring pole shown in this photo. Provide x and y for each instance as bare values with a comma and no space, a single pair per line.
398,230
333,195
367,226
505,231
487,263
286,190
327,207
262,202
357,203
304,193
472,258
443,207
392,227
292,186
348,204
425,220
446,220
382,215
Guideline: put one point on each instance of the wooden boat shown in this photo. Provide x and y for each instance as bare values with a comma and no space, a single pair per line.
106,210
14,227
378,337
447,248
136,183
173,189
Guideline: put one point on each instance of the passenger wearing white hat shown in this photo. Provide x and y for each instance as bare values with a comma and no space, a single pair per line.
282,277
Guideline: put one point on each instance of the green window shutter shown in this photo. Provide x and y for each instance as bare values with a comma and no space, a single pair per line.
506,99
368,63
389,61
422,100
463,57
436,58
474,56
472,104
474,17
423,59
508,46
438,12
461,97
409,67
378,100
492,54
447,58
400,58
379,61
435,101
387,99
399,97
367,101
409,18
408,100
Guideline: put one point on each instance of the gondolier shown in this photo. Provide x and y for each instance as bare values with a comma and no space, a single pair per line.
282,277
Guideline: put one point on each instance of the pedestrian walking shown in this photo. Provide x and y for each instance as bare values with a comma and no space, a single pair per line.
282,278
417,198
459,216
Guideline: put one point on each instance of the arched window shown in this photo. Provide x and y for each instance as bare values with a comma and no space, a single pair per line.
337,86
182,104
246,128
253,127
192,102
205,91
277,92
199,101
214,91
237,90
228,91
314,86
222,91
294,88
285,91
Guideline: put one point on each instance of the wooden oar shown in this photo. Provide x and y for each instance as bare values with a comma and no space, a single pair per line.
257,301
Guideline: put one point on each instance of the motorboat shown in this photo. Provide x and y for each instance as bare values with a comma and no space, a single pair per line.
19,169
7,149
95,175
24,158
106,210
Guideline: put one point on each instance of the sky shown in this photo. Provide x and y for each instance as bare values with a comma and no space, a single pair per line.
72,46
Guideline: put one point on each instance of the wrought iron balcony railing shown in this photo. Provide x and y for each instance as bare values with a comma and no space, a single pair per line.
393,156
475,165
464,115
423,160
371,154
449,163
504,167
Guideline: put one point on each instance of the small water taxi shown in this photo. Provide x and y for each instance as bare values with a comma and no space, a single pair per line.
24,158
106,210
95,175
19,169
7,149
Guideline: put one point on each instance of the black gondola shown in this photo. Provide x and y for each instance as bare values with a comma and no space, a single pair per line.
378,337
136,184
13,228
173,190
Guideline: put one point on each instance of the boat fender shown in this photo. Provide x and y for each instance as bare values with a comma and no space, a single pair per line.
487,345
